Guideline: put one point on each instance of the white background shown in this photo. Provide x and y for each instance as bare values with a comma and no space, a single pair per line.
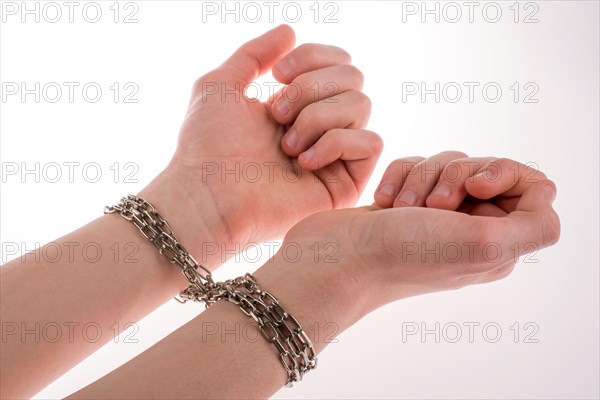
171,45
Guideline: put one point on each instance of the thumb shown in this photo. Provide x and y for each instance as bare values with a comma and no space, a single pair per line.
257,56
535,224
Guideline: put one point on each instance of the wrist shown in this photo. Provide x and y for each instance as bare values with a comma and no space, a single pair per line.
192,214
321,296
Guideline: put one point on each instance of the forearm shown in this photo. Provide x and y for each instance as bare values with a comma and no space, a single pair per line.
222,354
64,301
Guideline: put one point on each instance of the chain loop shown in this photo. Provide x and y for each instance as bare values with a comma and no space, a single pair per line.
296,351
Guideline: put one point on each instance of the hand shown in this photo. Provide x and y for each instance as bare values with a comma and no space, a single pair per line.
261,167
406,251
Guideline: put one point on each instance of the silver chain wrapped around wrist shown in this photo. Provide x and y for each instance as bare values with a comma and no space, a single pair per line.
296,351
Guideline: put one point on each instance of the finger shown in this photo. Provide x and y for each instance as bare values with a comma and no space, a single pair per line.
350,110
502,176
339,183
359,148
315,86
308,57
257,56
423,177
393,179
534,224
449,192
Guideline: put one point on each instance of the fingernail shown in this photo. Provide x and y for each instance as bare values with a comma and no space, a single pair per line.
550,192
388,189
285,67
309,154
282,106
291,138
409,197
442,190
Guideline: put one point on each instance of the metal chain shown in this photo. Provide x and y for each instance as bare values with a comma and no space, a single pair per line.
154,228
296,351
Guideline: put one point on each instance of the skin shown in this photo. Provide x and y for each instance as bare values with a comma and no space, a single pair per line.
203,208
335,154
372,268
336,157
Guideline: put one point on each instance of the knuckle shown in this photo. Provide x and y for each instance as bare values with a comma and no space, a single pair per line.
397,164
199,84
355,73
531,173
551,228
506,164
401,165
466,163
344,55
294,92
210,81
308,52
455,154
301,84
551,183
418,172
375,142
334,137
452,172
311,116
363,100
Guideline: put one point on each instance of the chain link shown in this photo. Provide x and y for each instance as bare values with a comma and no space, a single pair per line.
296,351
